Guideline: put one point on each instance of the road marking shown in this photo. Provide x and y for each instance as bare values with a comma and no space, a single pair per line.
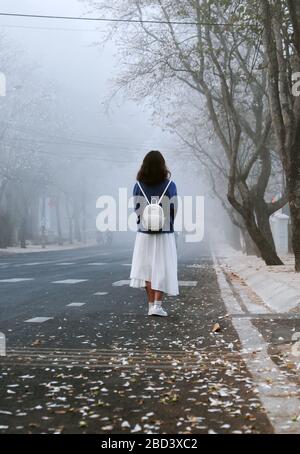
76,304
65,264
187,283
70,281
45,262
277,393
181,283
126,264
96,264
30,264
38,319
101,293
121,283
17,279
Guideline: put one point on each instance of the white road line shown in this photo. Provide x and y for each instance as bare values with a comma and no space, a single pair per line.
124,282
187,283
101,293
278,395
30,264
76,304
17,279
38,319
121,283
70,281
126,264
96,264
65,264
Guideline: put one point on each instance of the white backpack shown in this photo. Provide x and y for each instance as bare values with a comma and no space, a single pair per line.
153,217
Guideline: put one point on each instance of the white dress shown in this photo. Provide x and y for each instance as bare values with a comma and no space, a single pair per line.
155,260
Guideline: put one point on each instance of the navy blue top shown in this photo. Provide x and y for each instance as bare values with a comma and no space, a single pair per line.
156,191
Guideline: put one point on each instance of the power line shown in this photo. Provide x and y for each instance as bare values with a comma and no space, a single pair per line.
103,19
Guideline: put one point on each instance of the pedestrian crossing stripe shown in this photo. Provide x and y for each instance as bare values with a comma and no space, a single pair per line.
66,264
187,283
76,304
100,293
17,279
122,283
31,264
96,264
70,281
38,319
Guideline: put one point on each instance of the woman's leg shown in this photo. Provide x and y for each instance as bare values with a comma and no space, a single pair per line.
150,293
158,296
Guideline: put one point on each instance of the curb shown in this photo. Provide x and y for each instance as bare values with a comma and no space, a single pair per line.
277,295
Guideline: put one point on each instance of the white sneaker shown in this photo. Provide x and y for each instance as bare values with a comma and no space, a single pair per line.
158,311
151,308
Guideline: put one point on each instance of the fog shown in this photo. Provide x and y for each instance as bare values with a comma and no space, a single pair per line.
67,80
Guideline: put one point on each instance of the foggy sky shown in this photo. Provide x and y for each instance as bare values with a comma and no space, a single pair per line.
82,73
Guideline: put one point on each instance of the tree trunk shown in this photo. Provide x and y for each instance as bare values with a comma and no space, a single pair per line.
294,199
22,233
43,221
70,219
70,230
83,209
246,210
268,253
58,220
77,230
263,221
295,216
249,246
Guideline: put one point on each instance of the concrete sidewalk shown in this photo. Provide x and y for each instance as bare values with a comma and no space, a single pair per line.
277,286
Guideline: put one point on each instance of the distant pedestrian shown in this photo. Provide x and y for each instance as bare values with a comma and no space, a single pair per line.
154,263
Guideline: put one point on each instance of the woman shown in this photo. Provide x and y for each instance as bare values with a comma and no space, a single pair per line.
154,263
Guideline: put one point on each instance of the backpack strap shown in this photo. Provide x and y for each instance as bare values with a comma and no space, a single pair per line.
143,192
160,200
164,193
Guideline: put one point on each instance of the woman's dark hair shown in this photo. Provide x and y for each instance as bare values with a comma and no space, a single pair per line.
154,170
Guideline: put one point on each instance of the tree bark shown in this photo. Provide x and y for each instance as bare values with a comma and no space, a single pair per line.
285,110
268,253
263,221
294,198
249,246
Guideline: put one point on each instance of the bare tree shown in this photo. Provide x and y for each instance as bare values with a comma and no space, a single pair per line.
281,21
217,63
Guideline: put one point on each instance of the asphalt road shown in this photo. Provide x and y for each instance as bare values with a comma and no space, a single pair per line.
103,366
